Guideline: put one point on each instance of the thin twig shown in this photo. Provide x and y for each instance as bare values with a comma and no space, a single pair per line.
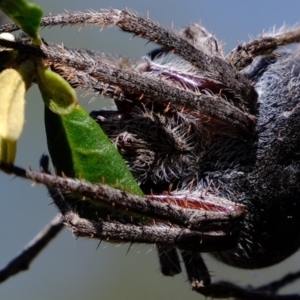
276,285
22,261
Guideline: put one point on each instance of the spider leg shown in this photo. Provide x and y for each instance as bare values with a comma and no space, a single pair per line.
204,59
243,55
196,270
191,243
159,234
223,118
217,67
216,221
204,240
199,37
225,289
169,260
199,278
213,111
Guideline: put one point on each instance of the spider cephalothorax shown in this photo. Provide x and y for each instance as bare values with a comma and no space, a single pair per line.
214,141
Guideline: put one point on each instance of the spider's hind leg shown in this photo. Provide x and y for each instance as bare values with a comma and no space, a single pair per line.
199,278
199,37
243,55
196,270
169,260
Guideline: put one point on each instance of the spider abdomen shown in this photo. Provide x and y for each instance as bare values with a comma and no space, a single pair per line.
269,185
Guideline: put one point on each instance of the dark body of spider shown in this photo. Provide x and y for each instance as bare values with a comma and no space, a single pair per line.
244,149
263,172
181,151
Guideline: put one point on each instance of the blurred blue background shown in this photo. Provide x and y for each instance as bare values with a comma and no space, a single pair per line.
75,269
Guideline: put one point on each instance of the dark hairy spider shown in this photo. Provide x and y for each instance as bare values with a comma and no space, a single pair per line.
213,140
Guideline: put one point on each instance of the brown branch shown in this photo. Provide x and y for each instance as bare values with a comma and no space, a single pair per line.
22,261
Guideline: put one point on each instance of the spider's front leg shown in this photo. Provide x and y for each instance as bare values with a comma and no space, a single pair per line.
210,90
152,85
216,233
217,67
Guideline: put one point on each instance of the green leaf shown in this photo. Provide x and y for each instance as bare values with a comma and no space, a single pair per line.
57,94
26,15
79,148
